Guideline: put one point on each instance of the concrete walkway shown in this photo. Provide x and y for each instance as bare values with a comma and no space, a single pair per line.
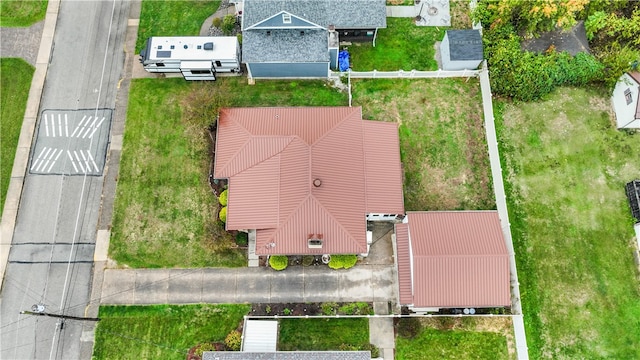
381,332
501,204
370,283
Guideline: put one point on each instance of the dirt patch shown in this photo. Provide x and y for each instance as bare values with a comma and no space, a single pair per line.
311,309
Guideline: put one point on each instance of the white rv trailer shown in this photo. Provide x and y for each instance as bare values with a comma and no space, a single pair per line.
196,57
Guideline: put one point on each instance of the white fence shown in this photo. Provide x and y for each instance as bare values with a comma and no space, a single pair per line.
401,74
402,11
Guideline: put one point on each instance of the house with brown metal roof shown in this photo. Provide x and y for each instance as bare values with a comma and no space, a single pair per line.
452,259
303,180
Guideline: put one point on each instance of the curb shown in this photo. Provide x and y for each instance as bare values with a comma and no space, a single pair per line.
19,171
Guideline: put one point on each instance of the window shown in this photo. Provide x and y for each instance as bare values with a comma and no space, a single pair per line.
627,96
268,33
315,243
218,63
196,72
286,18
160,64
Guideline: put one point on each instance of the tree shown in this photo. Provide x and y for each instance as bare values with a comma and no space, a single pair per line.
529,16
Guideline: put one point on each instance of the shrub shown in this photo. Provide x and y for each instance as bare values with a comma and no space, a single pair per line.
409,327
342,261
223,198
216,22
358,308
307,260
204,347
233,340
286,311
228,24
278,262
223,214
329,308
242,238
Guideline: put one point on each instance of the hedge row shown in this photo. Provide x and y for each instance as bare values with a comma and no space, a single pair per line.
527,76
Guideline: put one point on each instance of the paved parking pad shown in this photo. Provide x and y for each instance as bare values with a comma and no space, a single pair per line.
71,142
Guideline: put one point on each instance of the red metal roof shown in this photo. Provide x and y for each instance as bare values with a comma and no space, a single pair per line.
272,156
403,257
459,259
383,168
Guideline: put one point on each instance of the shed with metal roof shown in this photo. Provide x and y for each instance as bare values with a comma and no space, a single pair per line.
452,259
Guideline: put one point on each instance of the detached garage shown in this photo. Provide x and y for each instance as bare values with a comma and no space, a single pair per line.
452,259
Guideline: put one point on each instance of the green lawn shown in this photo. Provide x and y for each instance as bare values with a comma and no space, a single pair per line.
162,331
452,344
15,81
402,45
442,141
173,18
322,334
566,166
165,213
22,13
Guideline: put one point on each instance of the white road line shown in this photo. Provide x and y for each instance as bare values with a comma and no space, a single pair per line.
78,126
90,126
54,161
60,124
46,124
79,163
93,161
85,160
35,161
84,126
66,125
49,159
72,162
96,128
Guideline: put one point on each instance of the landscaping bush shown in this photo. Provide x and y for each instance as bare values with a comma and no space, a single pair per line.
242,238
329,308
409,327
233,340
228,24
223,214
307,260
342,261
278,262
216,22
358,308
204,347
224,196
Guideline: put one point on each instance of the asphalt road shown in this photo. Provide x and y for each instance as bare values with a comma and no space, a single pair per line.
51,259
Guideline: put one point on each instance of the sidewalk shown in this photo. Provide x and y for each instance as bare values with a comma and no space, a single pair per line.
370,283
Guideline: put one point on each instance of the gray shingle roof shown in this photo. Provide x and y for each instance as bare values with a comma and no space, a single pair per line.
287,355
344,14
285,46
465,45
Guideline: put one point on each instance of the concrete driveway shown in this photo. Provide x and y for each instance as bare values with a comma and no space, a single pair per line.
370,283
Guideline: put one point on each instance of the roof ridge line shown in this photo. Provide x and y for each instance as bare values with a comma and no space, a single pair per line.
353,240
326,133
291,138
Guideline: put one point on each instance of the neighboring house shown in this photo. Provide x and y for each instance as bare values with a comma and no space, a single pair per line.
304,180
626,101
452,259
300,38
461,50
573,41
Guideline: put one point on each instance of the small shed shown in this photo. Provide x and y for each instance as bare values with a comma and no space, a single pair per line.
461,50
626,101
260,336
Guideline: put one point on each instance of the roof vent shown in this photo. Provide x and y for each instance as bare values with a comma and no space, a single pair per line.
317,182
208,46
331,28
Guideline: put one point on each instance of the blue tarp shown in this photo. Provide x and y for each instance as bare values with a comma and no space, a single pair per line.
343,60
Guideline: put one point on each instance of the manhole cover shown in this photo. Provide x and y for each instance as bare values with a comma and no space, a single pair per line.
432,11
